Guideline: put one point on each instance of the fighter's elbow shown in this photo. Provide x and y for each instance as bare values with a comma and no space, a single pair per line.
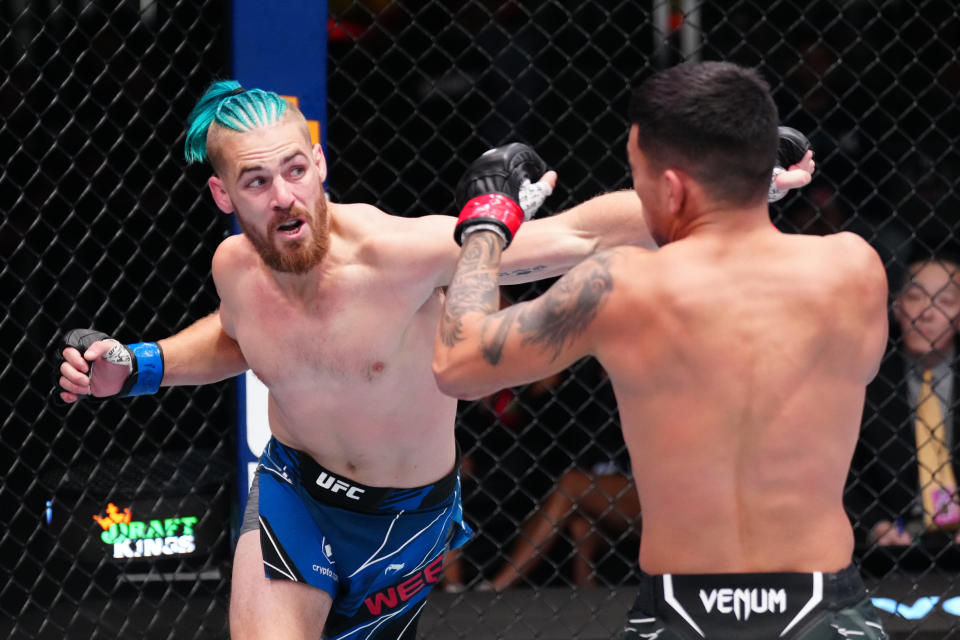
452,382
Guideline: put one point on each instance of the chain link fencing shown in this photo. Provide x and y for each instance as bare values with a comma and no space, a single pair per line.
116,513
104,226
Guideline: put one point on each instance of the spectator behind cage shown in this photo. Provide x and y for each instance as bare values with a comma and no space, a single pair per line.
903,478
592,507
595,507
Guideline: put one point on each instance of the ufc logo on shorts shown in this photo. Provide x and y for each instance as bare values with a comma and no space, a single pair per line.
335,485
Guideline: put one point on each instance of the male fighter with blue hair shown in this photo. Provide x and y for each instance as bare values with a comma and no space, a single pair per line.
227,104
334,307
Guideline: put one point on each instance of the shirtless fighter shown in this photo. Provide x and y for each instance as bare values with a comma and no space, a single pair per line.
739,357
334,307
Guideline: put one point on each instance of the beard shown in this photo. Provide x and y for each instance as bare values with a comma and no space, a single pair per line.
300,256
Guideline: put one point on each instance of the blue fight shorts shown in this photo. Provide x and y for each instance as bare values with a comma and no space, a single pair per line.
377,551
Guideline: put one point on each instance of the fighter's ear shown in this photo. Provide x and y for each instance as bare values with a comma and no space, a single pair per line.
220,195
320,160
675,188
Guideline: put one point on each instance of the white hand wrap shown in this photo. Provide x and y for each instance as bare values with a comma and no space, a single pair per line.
118,354
776,193
532,195
484,226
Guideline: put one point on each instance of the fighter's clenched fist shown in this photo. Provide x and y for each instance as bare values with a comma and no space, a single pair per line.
94,364
794,166
501,189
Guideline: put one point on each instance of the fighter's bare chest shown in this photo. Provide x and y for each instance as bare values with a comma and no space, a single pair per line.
342,336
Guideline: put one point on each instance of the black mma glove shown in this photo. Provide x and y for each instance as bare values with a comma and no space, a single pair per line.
790,150
144,360
499,190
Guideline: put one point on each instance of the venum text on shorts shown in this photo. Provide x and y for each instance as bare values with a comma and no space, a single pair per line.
741,603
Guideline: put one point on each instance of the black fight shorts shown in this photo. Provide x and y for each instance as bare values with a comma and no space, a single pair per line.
747,606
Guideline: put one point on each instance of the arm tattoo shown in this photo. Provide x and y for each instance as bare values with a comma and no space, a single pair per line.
561,314
493,348
474,287
525,271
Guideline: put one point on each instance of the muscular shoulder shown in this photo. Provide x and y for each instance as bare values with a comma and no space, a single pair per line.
233,261
370,219
420,247
859,301
380,230
853,257
358,214
234,258
234,255
852,245
614,279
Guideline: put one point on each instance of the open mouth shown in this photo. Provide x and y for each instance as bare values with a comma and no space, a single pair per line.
290,227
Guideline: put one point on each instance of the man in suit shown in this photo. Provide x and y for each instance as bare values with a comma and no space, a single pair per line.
897,491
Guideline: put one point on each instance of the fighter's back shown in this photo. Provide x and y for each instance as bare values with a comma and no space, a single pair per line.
739,367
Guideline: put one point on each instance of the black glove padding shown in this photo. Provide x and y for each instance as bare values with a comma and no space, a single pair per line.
493,190
83,339
791,147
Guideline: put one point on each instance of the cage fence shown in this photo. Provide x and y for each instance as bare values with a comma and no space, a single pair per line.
105,226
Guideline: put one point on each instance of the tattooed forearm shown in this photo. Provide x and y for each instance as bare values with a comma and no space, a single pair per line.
568,307
562,314
525,271
493,347
469,293
474,287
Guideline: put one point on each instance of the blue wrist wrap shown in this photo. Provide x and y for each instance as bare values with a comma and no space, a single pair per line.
149,368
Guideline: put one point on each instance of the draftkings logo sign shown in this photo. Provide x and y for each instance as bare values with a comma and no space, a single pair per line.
131,538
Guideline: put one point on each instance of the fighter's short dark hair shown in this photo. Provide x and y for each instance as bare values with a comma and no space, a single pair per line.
716,121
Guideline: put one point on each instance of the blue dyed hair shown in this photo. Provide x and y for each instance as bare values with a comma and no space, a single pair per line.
230,106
